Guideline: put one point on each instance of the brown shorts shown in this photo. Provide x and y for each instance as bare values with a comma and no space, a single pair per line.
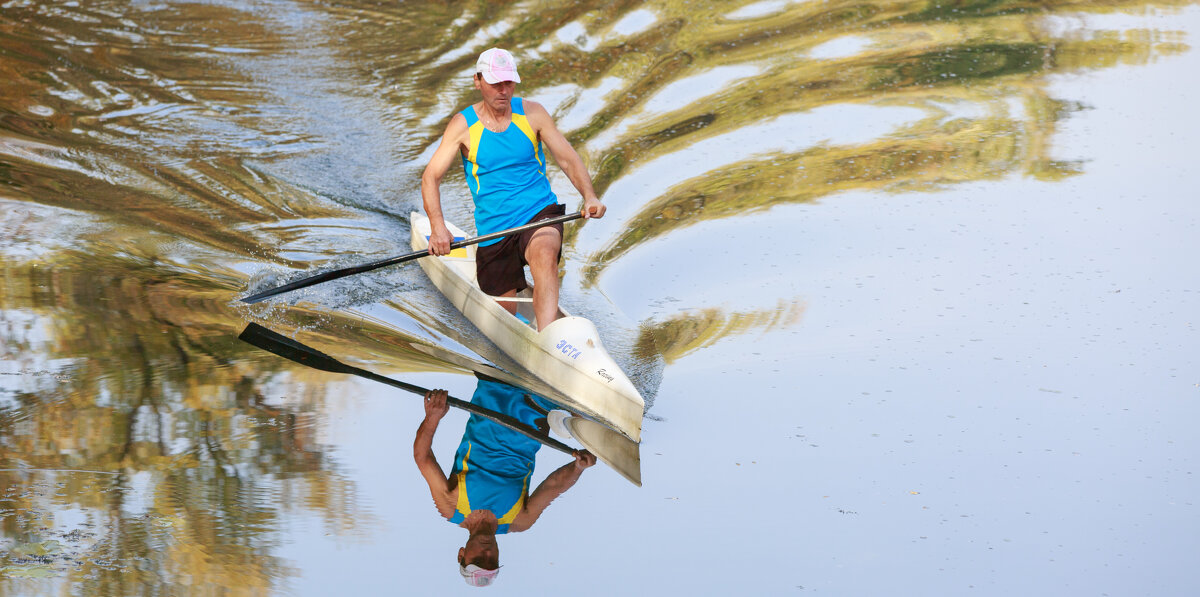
500,267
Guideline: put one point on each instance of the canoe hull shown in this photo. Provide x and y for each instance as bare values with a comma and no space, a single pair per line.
567,355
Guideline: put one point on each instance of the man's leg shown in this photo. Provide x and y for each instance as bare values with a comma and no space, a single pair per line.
542,257
499,270
511,306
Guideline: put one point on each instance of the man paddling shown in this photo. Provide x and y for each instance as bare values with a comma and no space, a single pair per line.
487,490
499,140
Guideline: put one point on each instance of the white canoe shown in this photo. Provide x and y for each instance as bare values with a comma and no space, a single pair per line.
567,355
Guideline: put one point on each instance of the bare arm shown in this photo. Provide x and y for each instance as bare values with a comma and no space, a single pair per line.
566,157
444,492
555,485
450,146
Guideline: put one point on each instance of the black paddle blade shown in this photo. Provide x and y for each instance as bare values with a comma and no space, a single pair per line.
306,282
270,292
278,344
287,348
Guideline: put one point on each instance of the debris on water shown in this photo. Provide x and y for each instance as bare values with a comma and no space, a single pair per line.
27,571
32,550
76,535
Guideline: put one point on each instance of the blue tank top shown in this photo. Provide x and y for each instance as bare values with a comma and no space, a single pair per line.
506,172
494,463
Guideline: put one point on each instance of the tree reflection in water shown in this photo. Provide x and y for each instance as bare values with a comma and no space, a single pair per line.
150,456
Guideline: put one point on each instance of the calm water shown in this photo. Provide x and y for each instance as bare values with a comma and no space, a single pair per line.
910,289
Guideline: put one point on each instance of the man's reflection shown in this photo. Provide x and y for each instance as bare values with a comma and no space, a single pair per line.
487,490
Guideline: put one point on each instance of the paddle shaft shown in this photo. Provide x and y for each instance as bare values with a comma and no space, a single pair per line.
366,267
290,349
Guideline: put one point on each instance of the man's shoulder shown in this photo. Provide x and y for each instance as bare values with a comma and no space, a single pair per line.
458,119
446,502
457,127
530,105
535,112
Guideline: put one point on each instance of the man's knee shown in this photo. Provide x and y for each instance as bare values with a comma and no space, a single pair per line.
544,248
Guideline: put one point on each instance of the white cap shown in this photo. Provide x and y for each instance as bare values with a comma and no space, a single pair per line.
497,65
476,576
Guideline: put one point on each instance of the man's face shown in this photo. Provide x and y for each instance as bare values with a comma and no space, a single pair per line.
482,551
495,95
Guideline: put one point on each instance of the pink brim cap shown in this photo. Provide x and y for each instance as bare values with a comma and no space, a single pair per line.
497,65
476,576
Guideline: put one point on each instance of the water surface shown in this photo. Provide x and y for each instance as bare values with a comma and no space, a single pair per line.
908,287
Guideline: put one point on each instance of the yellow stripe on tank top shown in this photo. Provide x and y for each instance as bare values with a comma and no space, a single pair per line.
523,123
476,133
464,504
516,509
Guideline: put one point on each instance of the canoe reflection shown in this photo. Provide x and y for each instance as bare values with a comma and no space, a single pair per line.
486,490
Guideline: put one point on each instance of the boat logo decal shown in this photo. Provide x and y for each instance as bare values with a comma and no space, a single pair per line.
569,350
604,374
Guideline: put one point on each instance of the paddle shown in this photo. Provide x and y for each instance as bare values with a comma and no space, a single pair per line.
288,348
358,269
